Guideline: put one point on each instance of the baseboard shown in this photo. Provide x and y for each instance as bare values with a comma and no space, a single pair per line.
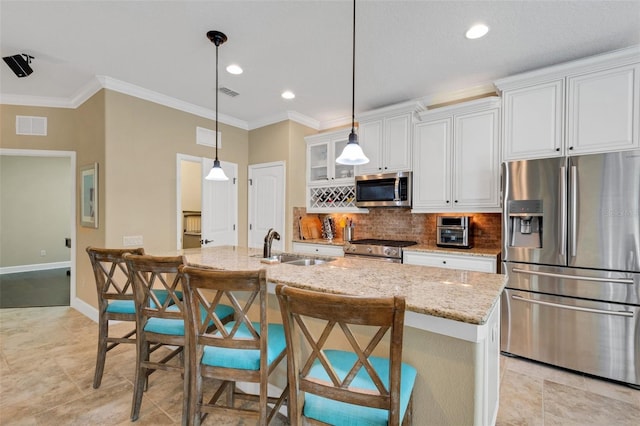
34,267
85,309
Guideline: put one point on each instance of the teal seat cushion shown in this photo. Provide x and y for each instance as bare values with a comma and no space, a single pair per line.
128,306
340,413
246,359
175,327
121,307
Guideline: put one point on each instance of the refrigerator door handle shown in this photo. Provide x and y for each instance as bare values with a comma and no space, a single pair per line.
574,277
573,308
563,211
574,209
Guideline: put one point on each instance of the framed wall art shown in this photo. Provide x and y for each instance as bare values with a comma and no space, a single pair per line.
89,195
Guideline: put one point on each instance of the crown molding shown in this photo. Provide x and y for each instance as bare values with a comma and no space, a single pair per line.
617,58
337,122
158,98
289,115
35,101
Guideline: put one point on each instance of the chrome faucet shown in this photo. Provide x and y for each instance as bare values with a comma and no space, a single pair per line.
268,239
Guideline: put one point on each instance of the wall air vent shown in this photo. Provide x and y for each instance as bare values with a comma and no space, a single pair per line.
206,137
33,126
228,92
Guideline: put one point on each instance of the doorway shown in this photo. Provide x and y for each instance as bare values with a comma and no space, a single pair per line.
267,203
32,247
207,212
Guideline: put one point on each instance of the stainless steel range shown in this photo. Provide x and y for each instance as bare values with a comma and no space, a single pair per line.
386,250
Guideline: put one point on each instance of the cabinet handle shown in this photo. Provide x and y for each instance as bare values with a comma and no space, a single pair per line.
444,262
557,149
447,201
570,148
572,308
455,201
385,167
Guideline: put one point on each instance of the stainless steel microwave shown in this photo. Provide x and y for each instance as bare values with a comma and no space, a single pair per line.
384,190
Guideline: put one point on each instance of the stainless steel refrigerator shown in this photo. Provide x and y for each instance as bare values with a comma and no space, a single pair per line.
571,251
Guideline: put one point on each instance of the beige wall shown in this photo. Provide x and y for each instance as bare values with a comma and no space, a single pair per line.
141,146
35,208
90,134
284,141
135,144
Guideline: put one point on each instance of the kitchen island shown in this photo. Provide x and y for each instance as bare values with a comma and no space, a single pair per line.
452,324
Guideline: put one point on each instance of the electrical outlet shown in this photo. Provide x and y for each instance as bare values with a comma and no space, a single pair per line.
132,240
43,253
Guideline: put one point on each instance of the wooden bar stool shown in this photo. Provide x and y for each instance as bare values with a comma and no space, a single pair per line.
240,351
115,300
338,387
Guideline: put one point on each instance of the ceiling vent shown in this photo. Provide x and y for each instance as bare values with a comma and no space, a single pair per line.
34,126
228,92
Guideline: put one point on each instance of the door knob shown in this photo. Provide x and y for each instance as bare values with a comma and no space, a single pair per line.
205,241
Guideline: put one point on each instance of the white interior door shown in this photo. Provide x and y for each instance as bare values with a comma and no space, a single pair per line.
219,206
266,203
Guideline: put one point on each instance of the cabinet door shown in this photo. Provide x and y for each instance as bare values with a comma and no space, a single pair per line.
432,165
319,249
396,145
341,172
603,111
451,261
533,121
317,160
370,139
476,161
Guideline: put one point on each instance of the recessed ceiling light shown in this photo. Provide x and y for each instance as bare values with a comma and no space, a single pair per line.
477,31
287,94
234,69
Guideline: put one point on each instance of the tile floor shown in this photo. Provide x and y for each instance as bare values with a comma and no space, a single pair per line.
47,358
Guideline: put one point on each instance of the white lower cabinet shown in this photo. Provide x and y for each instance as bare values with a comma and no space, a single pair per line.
319,249
451,261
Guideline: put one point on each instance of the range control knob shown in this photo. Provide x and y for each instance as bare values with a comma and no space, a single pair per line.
390,252
369,250
353,248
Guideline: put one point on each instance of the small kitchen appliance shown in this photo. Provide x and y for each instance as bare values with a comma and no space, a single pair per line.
454,231
386,250
384,190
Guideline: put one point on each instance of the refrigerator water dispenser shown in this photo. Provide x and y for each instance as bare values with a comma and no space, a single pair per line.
525,223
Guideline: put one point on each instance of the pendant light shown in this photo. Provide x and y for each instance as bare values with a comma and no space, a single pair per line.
352,154
216,172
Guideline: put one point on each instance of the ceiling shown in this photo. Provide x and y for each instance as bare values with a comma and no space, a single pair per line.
405,50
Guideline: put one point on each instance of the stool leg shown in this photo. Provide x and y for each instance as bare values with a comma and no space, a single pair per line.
142,354
103,333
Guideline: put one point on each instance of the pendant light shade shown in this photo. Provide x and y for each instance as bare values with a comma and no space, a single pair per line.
216,172
352,154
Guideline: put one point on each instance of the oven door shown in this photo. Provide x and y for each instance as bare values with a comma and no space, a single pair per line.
378,258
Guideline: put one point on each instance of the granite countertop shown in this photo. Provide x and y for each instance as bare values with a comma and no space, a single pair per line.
474,251
453,294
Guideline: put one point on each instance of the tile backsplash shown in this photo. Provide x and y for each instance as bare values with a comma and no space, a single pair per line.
401,224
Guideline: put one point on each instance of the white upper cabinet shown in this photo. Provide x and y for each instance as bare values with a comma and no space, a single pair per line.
322,151
585,106
456,163
385,138
330,186
533,120
603,110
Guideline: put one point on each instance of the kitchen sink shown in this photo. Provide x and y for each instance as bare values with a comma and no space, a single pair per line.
306,262
298,259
